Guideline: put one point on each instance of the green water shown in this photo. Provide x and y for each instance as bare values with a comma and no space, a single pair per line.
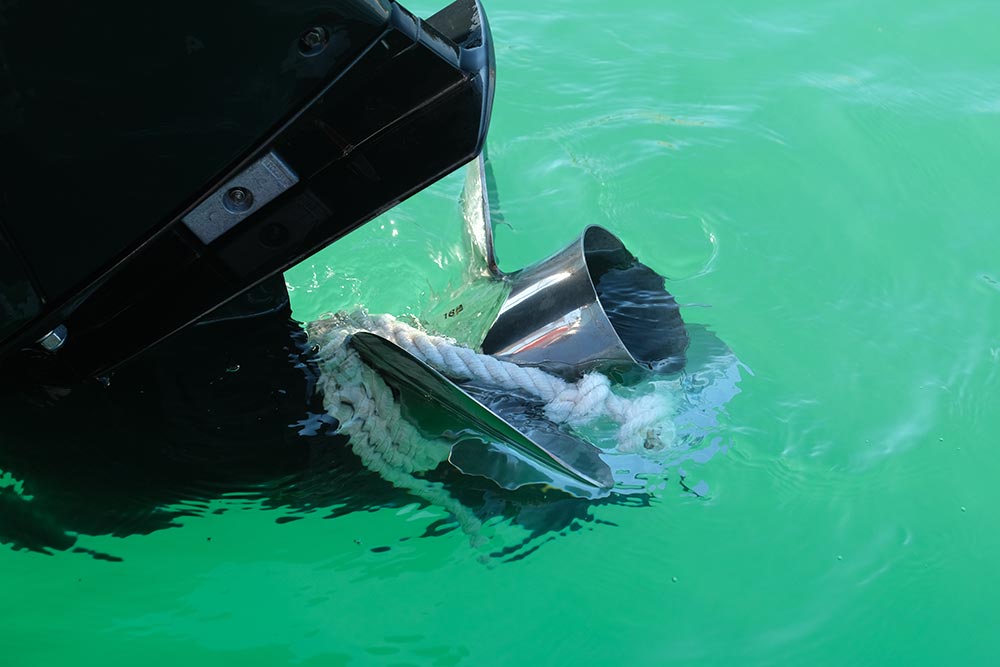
819,183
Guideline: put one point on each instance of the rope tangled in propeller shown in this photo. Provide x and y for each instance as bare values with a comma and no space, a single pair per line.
644,422
388,444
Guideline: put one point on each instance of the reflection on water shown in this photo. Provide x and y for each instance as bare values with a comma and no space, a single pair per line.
196,418
229,411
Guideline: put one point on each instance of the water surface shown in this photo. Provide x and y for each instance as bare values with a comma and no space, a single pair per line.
818,183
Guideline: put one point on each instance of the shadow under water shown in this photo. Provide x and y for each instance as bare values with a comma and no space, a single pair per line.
226,409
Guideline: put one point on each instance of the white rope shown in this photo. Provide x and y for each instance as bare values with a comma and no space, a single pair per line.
644,423
385,442
392,447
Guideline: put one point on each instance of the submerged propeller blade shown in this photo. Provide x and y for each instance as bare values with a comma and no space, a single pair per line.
524,413
488,445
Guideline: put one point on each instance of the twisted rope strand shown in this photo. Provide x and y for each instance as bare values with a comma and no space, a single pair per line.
644,422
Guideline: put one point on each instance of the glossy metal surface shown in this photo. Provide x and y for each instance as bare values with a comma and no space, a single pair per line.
54,339
477,211
553,317
486,443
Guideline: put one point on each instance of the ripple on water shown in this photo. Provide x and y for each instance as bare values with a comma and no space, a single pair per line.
990,281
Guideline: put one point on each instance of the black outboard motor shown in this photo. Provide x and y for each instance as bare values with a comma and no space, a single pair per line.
160,160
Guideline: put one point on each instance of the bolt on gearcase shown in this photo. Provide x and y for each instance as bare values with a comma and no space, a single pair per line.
159,161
